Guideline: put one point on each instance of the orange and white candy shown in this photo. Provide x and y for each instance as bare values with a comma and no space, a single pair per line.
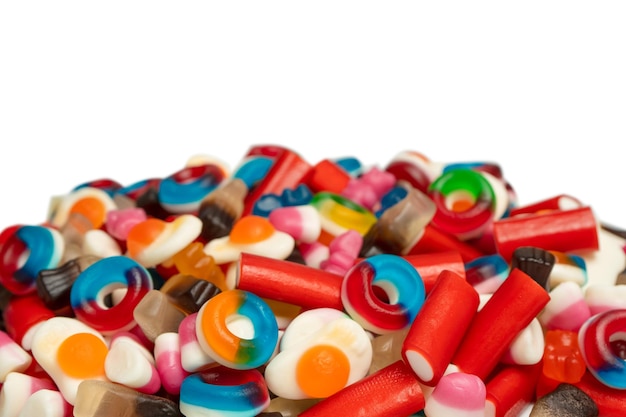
93,203
321,352
251,234
70,352
154,241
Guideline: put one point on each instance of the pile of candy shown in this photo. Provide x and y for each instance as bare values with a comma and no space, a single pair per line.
286,288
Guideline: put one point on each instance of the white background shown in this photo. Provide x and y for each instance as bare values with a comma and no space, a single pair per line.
129,90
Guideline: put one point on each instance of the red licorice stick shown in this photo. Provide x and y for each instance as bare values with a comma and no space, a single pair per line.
391,392
327,176
439,327
286,172
559,230
434,240
558,202
510,309
289,282
611,402
511,390
431,265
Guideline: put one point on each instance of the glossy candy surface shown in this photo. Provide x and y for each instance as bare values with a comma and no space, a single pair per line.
397,278
90,292
248,346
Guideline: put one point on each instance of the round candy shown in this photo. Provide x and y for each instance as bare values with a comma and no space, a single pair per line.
225,392
24,252
383,276
92,292
238,329
602,342
339,214
183,191
465,203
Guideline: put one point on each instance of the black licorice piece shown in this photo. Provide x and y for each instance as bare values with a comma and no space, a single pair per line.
565,401
189,293
222,208
535,262
54,285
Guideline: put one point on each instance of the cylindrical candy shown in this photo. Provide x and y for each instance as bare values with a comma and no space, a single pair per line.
562,231
439,327
290,282
392,391
457,394
510,309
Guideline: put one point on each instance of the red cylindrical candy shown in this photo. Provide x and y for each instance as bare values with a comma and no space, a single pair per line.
392,391
439,327
510,309
289,282
561,230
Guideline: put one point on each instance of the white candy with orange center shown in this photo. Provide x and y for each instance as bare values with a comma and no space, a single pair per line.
251,234
70,352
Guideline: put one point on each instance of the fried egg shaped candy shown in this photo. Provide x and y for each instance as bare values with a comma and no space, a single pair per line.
601,340
93,203
183,191
14,357
398,280
224,392
16,390
70,352
24,252
237,329
392,391
251,234
321,352
90,294
97,398
154,241
129,363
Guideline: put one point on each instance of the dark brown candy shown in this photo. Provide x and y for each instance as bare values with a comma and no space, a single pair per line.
565,401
